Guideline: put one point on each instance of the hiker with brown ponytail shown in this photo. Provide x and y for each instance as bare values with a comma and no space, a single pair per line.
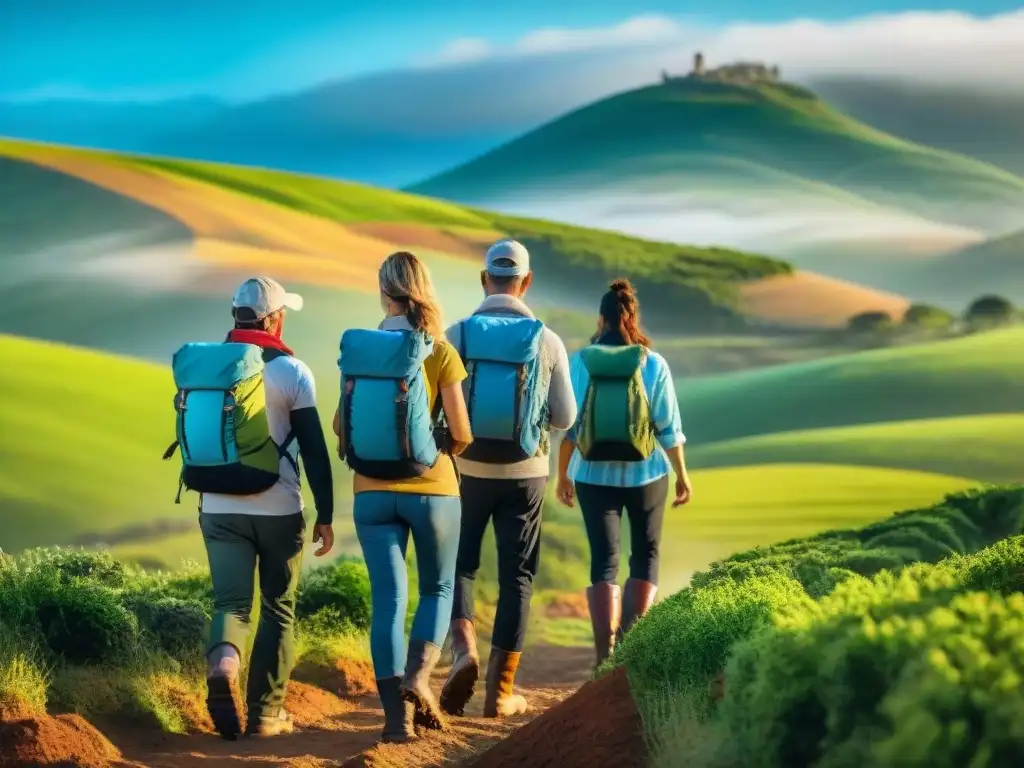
617,457
397,383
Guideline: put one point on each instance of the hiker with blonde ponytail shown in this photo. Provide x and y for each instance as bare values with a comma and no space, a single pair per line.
401,419
617,456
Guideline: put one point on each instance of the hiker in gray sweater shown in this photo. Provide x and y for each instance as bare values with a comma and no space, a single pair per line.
518,391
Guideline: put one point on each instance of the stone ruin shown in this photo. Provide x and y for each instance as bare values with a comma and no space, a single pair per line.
745,72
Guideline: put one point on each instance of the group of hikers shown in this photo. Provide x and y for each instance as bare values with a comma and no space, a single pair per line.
445,430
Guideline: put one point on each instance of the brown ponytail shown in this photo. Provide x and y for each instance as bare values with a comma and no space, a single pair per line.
620,311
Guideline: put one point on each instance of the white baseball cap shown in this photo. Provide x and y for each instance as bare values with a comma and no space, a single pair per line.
264,296
507,258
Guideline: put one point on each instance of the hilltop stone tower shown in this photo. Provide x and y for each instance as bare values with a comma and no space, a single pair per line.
698,64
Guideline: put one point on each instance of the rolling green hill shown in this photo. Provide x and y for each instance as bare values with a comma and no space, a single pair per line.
703,280
986,448
80,458
980,374
713,141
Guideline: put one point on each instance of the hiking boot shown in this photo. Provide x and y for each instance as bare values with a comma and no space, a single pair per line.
398,712
605,603
458,688
415,685
222,699
638,598
501,699
270,725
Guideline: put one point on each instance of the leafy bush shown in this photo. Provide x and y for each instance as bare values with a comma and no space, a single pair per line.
989,311
927,317
343,586
100,567
888,671
178,626
702,626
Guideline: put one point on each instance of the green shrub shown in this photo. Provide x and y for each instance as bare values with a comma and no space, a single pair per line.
343,586
98,567
178,626
85,623
684,641
23,676
891,671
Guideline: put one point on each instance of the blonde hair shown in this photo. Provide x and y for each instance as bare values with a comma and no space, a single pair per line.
405,279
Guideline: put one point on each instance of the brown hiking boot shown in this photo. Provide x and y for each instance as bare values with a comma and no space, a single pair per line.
638,598
605,603
415,686
461,683
270,725
501,699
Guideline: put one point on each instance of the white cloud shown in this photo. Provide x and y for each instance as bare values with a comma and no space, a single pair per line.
640,30
939,46
646,30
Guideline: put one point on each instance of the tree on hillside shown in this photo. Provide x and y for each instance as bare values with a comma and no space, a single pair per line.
927,317
870,322
989,311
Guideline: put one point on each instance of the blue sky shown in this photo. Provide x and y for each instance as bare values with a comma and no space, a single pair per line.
244,49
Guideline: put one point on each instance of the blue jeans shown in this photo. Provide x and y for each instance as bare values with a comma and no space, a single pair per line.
383,523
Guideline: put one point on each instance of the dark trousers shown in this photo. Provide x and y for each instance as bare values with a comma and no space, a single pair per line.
239,547
515,508
602,507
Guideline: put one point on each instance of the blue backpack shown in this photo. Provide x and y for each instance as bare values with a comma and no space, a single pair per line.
388,431
507,409
221,420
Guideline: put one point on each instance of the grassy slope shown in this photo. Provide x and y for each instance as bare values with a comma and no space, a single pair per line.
985,448
83,435
576,257
995,266
724,135
971,375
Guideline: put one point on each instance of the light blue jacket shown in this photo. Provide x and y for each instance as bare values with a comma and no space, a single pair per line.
661,394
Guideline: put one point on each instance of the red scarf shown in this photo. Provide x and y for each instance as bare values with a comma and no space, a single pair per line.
260,339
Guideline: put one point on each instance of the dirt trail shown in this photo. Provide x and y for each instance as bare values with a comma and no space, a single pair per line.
347,730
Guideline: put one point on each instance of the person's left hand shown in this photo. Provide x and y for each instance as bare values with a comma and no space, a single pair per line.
566,491
324,534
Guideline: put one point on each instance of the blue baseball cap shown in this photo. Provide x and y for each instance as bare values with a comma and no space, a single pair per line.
507,258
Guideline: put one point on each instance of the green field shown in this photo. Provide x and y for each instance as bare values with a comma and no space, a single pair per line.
80,460
742,507
978,374
728,136
983,447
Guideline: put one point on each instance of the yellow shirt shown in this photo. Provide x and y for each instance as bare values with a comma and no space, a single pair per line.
443,368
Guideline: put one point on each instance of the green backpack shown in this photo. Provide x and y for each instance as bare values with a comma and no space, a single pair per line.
615,420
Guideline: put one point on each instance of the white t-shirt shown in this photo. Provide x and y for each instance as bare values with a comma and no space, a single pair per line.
290,387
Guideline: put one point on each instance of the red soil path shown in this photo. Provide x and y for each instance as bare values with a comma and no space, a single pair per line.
331,730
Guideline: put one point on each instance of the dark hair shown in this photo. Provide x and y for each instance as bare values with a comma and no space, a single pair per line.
620,311
245,319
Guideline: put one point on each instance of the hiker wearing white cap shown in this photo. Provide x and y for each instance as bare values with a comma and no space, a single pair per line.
246,411
518,390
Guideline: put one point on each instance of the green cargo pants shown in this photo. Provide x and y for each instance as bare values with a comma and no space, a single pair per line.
238,547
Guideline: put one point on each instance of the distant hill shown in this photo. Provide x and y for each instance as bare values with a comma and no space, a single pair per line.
982,122
330,236
737,164
995,266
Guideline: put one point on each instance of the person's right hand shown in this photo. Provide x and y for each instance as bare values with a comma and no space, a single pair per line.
324,534
566,491
684,491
